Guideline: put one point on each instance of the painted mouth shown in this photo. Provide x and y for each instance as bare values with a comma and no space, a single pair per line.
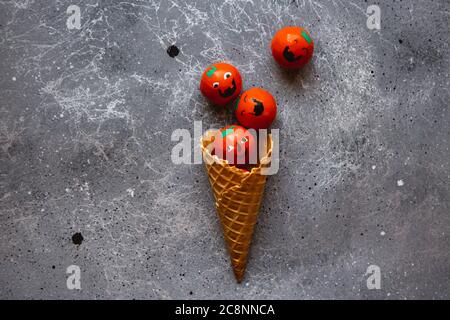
229,91
258,108
290,56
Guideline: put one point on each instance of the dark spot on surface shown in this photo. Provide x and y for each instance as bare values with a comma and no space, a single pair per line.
173,51
77,238
400,41
191,293
53,267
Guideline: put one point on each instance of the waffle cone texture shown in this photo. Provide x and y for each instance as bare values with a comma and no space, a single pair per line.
238,195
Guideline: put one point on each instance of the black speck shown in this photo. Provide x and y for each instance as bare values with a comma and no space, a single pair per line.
53,267
77,238
191,293
400,41
173,51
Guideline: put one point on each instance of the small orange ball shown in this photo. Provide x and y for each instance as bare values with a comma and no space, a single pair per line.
292,47
221,83
256,109
236,145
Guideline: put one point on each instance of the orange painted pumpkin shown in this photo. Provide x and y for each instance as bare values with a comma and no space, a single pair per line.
221,83
256,109
236,145
292,47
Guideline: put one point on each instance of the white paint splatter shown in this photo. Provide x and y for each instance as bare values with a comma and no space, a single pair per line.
130,192
400,183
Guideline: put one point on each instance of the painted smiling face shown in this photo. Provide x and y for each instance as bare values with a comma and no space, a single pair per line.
221,83
256,109
236,145
292,47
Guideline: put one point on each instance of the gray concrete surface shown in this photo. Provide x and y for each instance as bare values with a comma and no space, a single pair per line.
86,118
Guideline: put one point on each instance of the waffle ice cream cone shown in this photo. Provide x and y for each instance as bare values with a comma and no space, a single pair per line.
238,195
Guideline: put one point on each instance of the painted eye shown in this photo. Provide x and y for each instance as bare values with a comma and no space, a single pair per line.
229,148
244,140
215,85
227,75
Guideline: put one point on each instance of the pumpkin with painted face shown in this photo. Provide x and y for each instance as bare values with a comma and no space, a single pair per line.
221,83
236,145
292,47
256,109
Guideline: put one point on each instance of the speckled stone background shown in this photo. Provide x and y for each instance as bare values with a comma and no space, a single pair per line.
86,118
